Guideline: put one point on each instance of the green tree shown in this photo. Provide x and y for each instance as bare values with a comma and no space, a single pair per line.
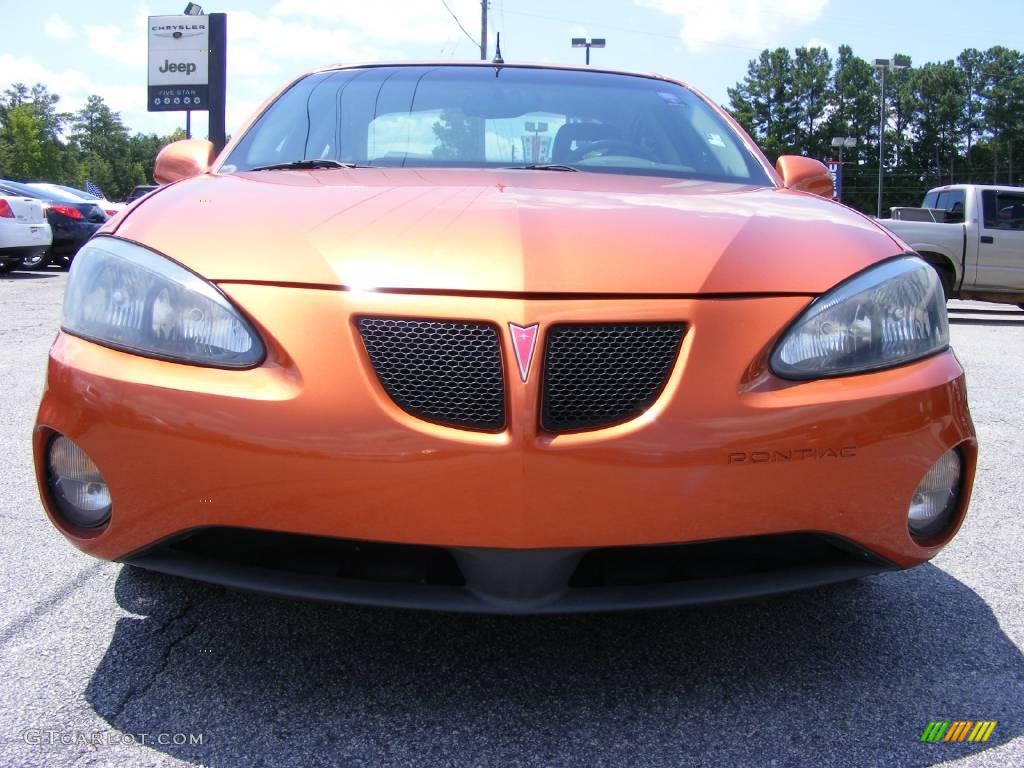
970,65
946,121
853,111
101,141
764,103
21,143
1003,77
47,154
812,71
938,100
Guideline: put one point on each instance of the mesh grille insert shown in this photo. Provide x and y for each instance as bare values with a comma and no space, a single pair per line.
598,375
441,371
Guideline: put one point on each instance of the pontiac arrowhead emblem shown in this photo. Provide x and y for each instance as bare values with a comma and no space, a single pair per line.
524,341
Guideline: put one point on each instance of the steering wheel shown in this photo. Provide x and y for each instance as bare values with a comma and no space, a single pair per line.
608,147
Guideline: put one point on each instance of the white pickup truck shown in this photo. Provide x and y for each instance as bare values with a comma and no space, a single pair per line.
974,237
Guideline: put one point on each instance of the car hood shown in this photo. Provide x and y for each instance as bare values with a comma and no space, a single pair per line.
507,231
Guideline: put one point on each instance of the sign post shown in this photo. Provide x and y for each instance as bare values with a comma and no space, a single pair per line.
217,65
188,66
836,169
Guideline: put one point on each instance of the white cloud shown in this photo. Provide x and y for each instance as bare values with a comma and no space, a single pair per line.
390,21
58,29
126,45
74,87
260,45
755,23
114,42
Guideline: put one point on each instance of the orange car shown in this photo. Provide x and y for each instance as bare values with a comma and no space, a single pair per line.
501,338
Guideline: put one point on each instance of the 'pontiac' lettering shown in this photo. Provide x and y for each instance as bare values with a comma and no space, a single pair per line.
791,455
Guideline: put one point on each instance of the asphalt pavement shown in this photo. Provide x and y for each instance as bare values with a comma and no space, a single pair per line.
106,666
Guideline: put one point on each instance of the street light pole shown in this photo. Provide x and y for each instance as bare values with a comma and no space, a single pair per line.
582,42
884,65
881,141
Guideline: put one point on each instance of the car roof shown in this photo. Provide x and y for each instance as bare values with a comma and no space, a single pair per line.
51,195
491,65
996,187
51,187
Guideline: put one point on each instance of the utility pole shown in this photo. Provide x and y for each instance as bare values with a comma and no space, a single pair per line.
483,30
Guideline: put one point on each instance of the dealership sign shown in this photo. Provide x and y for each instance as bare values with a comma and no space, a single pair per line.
179,67
836,169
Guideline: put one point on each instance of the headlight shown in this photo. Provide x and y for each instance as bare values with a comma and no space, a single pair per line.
887,315
128,297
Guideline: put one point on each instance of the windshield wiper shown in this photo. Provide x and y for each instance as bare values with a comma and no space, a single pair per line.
542,167
303,165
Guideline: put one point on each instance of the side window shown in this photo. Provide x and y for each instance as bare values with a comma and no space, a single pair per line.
989,208
954,205
952,202
1010,211
1002,210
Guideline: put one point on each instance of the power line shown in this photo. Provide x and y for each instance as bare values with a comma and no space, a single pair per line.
450,11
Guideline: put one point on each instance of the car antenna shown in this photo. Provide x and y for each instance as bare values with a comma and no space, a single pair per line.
497,52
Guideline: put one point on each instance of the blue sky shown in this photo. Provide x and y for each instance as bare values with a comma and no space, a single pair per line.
77,51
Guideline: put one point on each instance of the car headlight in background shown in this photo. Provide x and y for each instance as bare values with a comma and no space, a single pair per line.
128,297
888,315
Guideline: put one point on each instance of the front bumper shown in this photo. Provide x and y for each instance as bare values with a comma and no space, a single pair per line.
309,443
478,580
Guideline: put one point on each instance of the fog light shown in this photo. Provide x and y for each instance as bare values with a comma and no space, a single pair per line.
78,488
936,497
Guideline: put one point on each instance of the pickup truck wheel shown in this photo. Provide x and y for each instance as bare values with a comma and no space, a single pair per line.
946,278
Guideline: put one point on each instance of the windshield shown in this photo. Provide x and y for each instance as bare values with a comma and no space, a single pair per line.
482,117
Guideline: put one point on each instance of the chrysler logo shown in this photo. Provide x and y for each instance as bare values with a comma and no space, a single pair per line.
524,342
178,32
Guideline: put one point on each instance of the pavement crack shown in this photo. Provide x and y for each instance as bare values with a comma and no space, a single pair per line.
189,626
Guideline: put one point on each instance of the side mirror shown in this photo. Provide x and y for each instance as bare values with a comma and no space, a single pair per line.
805,174
183,160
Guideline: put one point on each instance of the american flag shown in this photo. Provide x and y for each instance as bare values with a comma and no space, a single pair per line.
92,189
